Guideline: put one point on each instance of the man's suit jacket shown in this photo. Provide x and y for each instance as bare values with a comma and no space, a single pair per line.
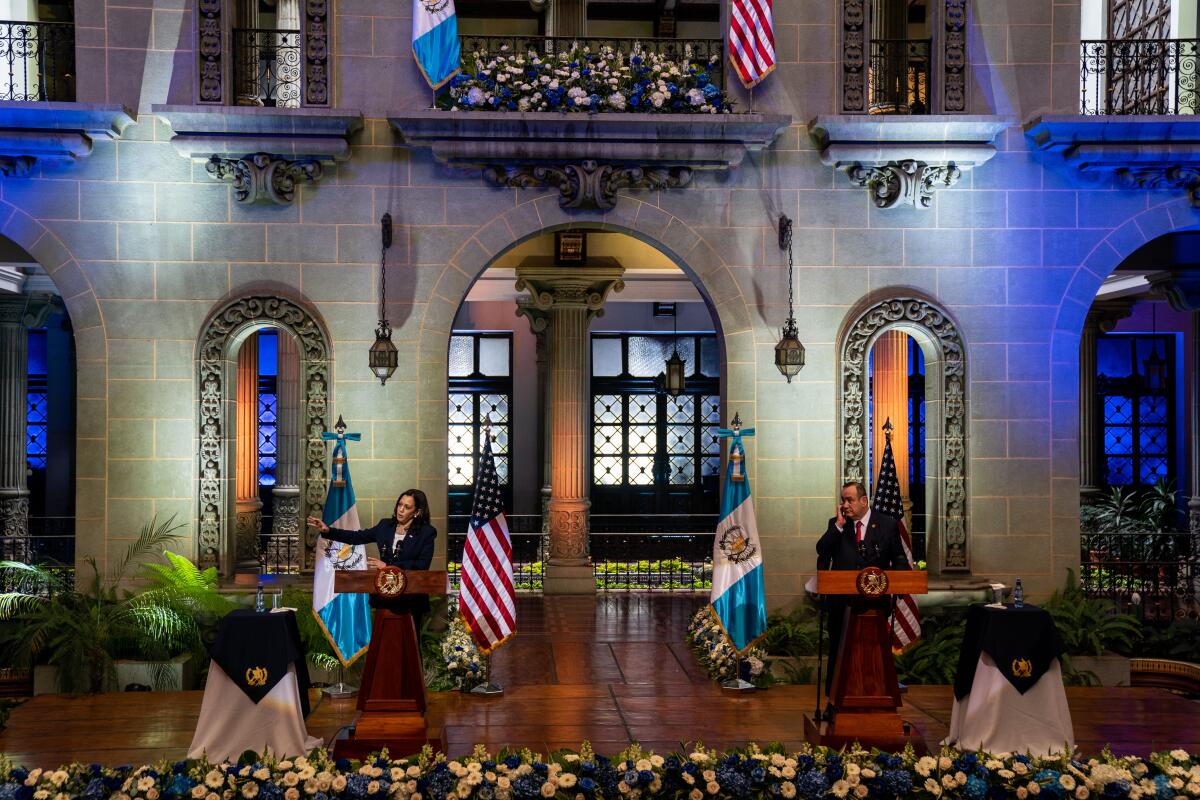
881,548
415,552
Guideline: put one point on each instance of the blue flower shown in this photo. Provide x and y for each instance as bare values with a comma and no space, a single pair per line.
271,791
635,60
646,776
758,775
356,785
95,790
527,787
1117,789
18,774
976,788
342,765
897,782
586,785
631,777
811,784
512,762
587,768
1165,792
181,784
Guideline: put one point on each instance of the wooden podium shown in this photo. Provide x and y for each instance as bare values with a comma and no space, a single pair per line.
865,692
391,700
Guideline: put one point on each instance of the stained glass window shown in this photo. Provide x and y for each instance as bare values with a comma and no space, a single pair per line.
268,406
1137,420
37,406
480,392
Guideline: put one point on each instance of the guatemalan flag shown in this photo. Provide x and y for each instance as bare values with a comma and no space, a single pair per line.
738,599
345,618
435,40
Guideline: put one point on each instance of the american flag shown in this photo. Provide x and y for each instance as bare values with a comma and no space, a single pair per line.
906,623
751,40
486,598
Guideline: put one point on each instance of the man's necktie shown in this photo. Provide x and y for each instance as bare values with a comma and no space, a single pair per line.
858,530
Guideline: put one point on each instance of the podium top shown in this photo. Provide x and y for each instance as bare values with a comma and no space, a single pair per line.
872,582
416,581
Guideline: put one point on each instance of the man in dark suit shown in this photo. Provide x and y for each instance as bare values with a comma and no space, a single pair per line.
855,539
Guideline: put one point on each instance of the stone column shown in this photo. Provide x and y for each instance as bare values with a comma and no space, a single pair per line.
285,524
18,313
570,297
249,506
539,322
1103,316
567,18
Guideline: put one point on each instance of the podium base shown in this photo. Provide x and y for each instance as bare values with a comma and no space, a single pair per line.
403,734
869,730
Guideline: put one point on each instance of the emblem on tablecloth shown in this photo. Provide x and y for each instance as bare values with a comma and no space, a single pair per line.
1022,668
871,582
390,582
256,676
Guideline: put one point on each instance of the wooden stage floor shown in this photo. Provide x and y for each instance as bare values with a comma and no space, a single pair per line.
610,670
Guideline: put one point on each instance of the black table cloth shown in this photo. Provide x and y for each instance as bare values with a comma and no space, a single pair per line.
255,649
1022,641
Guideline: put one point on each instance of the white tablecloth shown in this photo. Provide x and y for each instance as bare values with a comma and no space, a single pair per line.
231,723
997,718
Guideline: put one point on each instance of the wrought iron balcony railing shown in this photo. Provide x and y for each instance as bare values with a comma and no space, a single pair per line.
706,53
899,76
1155,575
266,67
37,61
1148,76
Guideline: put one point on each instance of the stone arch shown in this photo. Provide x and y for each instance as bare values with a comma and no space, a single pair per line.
216,371
946,409
672,236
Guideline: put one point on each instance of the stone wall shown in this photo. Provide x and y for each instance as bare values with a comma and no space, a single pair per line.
144,244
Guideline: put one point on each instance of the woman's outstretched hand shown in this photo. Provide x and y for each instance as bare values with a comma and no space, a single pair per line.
320,525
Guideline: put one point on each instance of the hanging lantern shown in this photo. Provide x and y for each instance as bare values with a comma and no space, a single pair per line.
1154,368
383,357
789,352
675,379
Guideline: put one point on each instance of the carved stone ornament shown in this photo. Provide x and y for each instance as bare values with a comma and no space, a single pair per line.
854,48
218,385
904,182
16,166
316,53
14,520
210,35
588,184
1163,177
954,56
569,534
263,176
911,312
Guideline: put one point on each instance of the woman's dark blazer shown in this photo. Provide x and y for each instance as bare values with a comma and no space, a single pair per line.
415,552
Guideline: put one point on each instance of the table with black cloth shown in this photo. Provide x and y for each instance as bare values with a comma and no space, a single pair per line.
257,692
1008,689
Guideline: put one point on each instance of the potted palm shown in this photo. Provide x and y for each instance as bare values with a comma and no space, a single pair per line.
1090,629
84,630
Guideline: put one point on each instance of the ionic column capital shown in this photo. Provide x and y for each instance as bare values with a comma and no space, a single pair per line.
25,310
553,288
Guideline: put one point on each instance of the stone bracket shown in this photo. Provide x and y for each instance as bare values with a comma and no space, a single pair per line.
588,158
54,132
264,177
905,160
1140,152
906,182
265,152
588,183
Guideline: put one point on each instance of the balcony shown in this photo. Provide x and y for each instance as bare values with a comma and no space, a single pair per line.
899,76
566,74
37,61
1139,77
266,67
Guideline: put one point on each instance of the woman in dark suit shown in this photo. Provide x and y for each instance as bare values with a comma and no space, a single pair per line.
404,541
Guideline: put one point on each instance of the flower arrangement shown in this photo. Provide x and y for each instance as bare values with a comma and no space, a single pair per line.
749,774
464,663
716,656
580,80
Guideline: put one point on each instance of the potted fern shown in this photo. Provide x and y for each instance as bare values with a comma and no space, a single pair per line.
86,630
1091,628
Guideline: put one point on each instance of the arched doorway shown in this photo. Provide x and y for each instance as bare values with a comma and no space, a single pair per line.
228,382
944,406
644,459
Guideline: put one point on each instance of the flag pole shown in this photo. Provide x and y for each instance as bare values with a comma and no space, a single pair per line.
487,688
341,689
737,684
